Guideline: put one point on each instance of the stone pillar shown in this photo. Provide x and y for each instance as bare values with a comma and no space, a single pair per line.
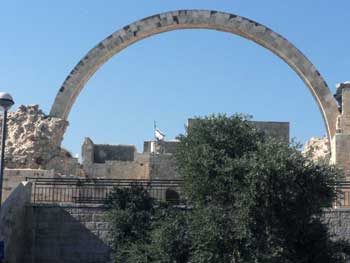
341,140
87,152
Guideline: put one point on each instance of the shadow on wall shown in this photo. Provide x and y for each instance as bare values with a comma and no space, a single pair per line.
69,235
13,222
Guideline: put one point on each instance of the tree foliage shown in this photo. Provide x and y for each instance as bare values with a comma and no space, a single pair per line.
130,216
170,236
252,199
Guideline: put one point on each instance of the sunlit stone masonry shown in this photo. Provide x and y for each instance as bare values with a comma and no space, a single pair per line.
34,139
341,140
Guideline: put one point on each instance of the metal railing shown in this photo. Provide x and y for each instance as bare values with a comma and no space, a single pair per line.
95,191
343,194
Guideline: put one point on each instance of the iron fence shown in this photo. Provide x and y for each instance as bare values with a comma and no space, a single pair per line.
95,191
343,194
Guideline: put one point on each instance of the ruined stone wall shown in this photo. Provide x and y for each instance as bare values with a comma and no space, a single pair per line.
143,166
87,152
102,153
317,149
34,140
113,161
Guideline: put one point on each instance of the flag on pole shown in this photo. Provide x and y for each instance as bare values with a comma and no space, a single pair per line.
157,133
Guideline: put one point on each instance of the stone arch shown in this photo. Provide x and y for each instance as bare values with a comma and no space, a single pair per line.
191,19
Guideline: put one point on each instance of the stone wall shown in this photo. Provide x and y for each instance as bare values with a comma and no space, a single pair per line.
106,152
163,166
13,224
145,166
102,153
340,152
87,151
136,169
80,234
68,235
13,177
157,160
340,143
160,146
275,129
339,222
34,140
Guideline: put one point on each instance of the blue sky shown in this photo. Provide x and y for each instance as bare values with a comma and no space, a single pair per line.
171,76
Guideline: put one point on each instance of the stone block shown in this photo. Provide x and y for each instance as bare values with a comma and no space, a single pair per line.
341,152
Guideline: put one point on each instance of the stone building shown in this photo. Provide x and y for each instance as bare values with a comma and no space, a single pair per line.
33,150
156,161
124,162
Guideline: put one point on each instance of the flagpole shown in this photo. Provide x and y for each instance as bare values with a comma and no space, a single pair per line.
154,131
155,138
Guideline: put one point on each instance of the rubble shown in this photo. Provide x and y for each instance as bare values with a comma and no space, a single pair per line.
34,139
317,149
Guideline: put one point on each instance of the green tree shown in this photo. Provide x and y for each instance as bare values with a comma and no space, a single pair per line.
250,199
208,157
130,216
170,235
265,198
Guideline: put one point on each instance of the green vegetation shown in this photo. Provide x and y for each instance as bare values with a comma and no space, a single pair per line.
251,199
